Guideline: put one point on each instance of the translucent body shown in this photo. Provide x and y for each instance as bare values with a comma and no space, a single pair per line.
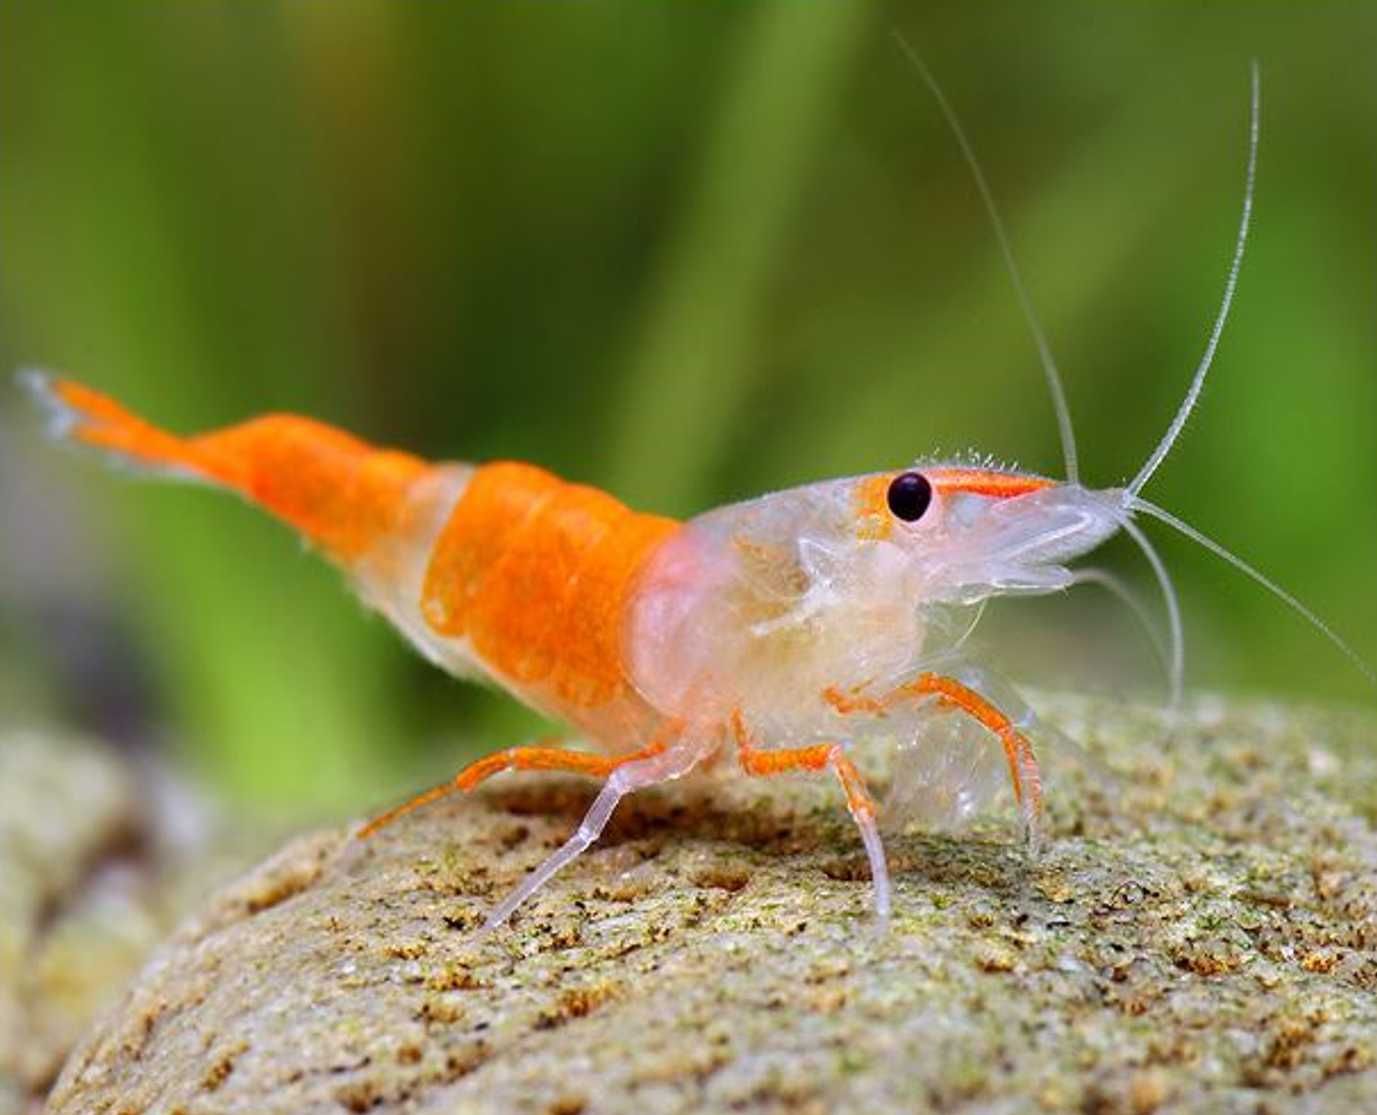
765,606
812,624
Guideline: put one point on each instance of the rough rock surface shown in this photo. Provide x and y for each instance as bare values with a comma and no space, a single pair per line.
68,811
89,883
1198,933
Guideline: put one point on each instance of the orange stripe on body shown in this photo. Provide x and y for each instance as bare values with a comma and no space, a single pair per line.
535,572
985,482
875,522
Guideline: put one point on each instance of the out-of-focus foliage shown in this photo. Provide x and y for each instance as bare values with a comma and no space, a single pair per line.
686,251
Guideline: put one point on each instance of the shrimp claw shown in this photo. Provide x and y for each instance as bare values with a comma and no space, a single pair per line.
956,695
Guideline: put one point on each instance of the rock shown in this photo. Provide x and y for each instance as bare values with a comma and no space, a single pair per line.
86,891
67,809
1199,931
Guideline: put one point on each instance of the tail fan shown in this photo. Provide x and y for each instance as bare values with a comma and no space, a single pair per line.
340,492
78,414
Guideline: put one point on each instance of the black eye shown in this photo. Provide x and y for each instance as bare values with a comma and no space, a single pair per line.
909,496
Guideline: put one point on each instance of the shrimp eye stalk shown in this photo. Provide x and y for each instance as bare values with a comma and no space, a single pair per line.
910,493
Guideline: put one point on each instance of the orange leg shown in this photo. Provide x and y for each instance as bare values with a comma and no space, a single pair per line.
814,757
950,693
536,757
817,757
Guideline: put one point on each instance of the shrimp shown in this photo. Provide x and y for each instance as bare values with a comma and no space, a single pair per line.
793,631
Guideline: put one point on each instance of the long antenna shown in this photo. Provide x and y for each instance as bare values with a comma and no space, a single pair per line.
1136,503
1176,671
1115,586
1049,365
1193,395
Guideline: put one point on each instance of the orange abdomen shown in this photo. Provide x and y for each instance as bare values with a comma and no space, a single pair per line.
504,569
535,573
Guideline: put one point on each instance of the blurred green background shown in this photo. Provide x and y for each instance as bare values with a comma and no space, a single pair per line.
686,251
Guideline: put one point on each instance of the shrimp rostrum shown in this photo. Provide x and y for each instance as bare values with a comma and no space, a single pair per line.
787,632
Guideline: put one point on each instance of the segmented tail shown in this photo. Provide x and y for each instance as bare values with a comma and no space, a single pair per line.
340,492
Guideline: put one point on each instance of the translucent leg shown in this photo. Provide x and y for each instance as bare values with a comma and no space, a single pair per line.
879,867
663,767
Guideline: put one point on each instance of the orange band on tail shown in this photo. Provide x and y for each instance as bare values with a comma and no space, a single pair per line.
339,491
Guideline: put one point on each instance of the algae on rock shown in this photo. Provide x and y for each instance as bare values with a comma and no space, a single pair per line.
1199,931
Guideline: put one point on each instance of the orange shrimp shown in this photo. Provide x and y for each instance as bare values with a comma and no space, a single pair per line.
659,641
796,629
